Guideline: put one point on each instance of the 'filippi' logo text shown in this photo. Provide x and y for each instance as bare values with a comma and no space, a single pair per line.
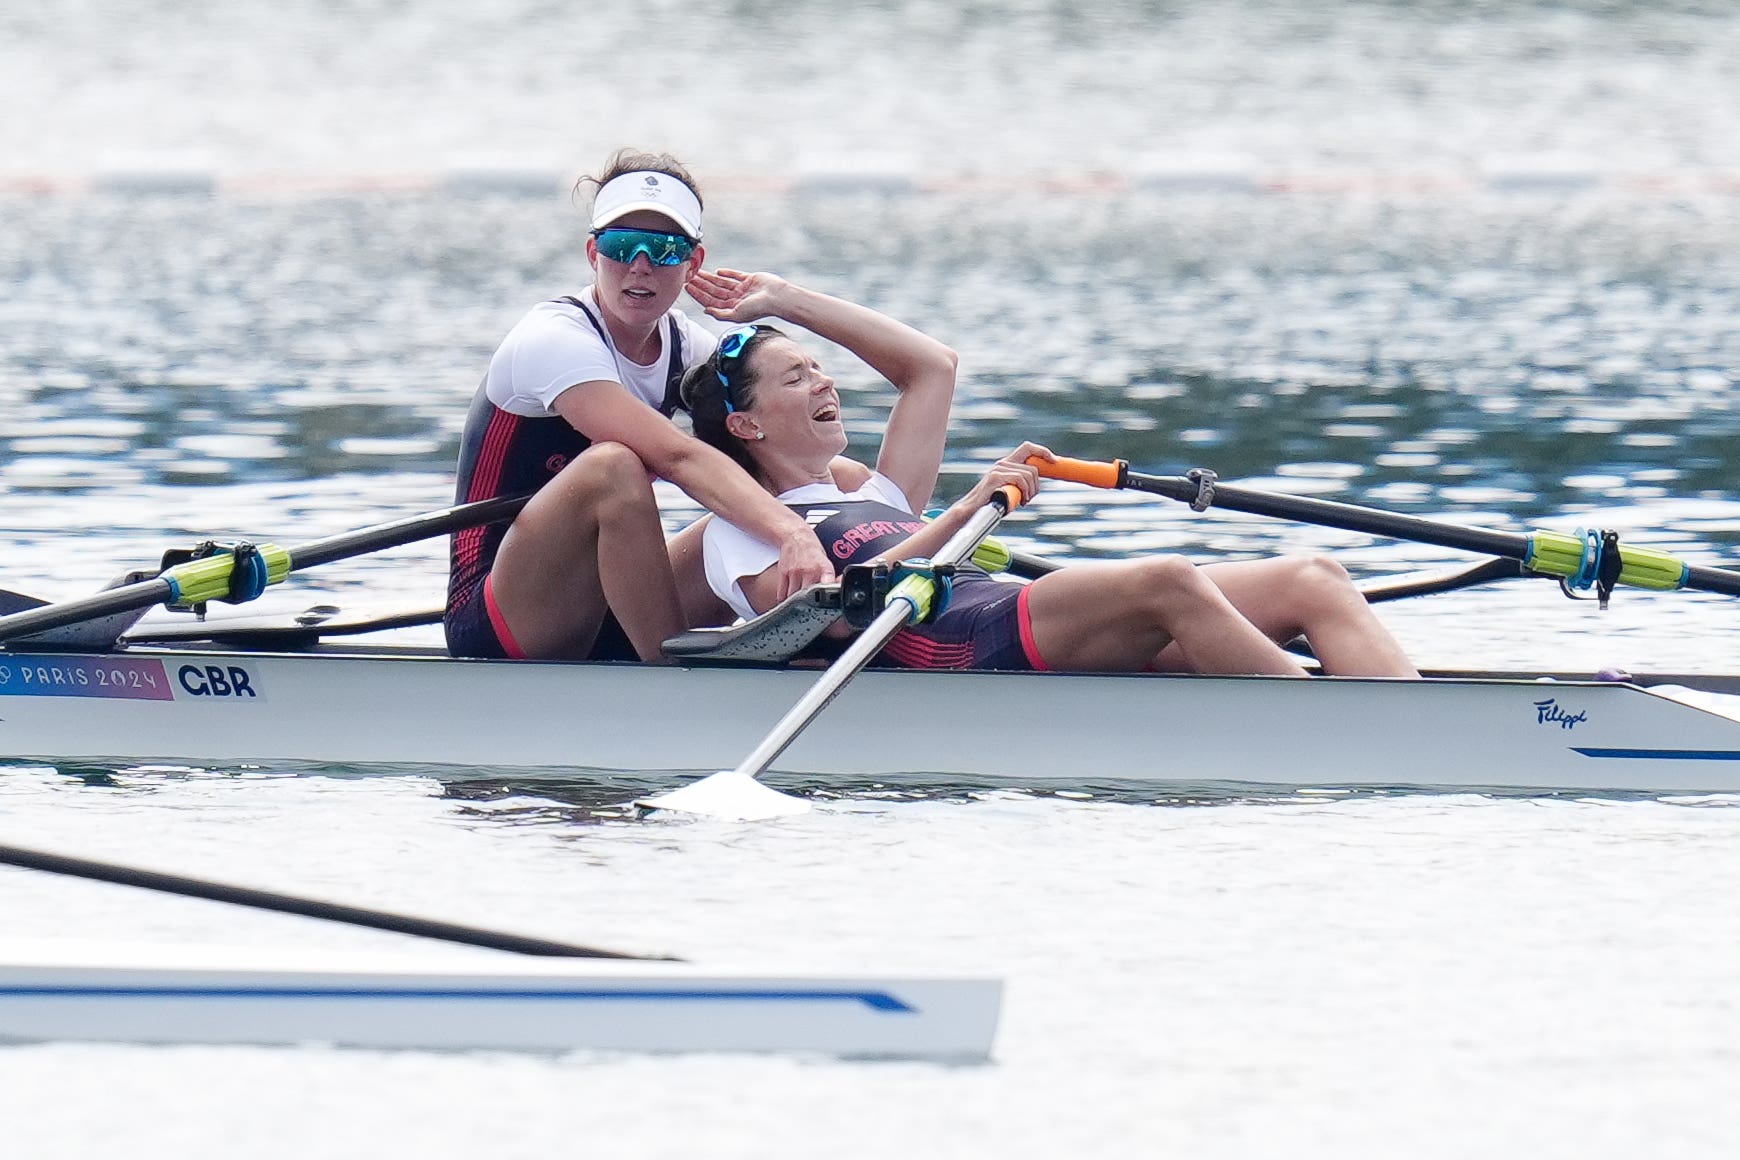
1548,713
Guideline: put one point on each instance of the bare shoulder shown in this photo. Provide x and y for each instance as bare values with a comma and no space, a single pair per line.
849,474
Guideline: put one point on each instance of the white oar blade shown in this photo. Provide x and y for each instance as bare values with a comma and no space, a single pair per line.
732,795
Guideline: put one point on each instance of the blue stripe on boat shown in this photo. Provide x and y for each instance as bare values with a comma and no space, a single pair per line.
877,1000
1664,754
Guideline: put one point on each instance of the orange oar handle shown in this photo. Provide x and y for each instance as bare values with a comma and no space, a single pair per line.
1083,471
1011,497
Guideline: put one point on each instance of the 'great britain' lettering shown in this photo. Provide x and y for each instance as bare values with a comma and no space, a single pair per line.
860,534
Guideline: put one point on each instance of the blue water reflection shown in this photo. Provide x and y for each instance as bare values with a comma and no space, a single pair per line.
1527,356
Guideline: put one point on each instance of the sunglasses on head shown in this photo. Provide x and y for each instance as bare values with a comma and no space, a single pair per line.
732,344
622,245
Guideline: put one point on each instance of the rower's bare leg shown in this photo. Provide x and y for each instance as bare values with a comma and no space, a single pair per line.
1312,596
590,540
1122,616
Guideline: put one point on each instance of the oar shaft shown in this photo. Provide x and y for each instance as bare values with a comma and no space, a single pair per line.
289,904
143,594
1331,514
1374,521
821,694
1378,590
1548,553
126,598
1030,567
1713,579
406,531
850,663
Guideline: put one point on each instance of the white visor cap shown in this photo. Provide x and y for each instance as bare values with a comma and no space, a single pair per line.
642,189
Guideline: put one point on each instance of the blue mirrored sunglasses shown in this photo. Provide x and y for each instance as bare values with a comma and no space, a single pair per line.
621,245
732,344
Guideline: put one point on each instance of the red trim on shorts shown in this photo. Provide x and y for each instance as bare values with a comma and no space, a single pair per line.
1024,619
499,623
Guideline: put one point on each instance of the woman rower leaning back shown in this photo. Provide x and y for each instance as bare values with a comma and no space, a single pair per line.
765,401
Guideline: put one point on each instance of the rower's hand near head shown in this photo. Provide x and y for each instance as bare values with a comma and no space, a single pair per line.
734,296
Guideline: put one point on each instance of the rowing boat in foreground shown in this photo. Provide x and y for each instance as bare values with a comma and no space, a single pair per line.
223,695
462,1000
405,708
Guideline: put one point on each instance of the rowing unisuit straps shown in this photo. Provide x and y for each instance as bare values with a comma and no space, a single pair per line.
673,373
673,369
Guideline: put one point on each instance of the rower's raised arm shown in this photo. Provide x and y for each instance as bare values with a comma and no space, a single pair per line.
921,369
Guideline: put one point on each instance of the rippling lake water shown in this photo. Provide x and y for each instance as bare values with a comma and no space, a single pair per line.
1475,263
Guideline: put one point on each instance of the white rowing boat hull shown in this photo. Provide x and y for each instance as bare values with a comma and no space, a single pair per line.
482,718
482,1001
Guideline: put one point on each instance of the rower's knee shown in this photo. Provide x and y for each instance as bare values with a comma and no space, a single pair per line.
1167,584
608,465
607,474
1167,570
1319,582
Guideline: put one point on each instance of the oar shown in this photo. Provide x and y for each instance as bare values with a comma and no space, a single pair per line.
1028,566
735,794
1376,590
308,907
214,577
1580,559
1379,589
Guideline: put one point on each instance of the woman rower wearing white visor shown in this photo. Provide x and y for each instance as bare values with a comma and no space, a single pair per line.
576,406
762,399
